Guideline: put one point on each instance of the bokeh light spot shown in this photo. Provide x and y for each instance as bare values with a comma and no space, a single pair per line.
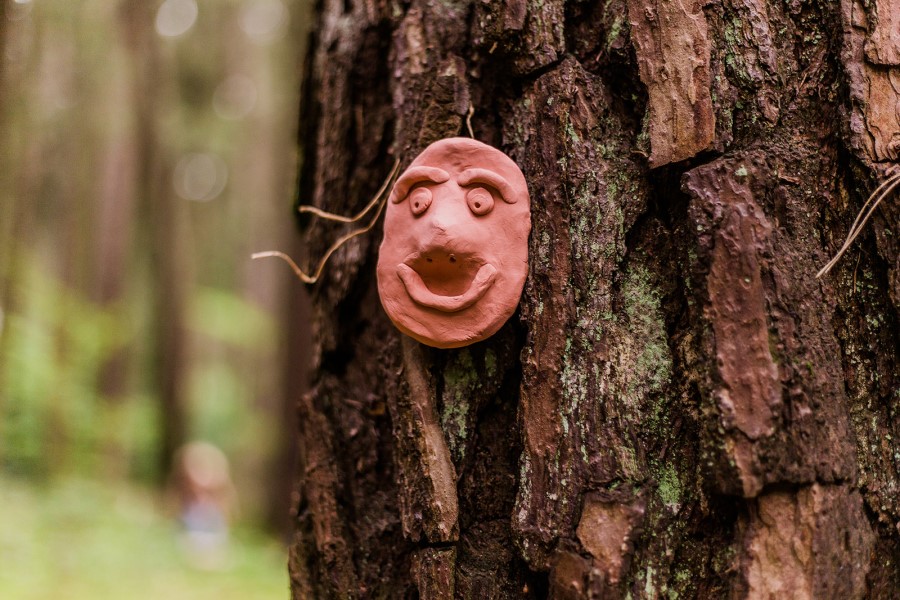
200,177
176,17
264,21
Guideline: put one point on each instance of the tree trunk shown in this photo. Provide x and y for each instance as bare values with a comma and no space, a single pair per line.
679,407
167,219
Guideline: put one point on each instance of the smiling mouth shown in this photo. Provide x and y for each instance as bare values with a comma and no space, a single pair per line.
445,281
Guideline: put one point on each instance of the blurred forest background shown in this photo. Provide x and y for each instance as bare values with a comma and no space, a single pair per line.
148,148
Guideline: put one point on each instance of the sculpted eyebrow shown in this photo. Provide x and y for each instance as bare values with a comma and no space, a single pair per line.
491,178
415,175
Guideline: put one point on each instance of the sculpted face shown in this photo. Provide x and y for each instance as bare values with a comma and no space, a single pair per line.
455,253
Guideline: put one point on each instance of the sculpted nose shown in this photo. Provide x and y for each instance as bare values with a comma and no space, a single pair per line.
448,213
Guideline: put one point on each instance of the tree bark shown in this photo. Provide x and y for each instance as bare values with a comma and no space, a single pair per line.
679,407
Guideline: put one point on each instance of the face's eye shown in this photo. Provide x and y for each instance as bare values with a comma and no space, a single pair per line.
419,200
480,201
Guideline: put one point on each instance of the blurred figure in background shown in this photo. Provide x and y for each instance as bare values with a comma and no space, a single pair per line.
206,500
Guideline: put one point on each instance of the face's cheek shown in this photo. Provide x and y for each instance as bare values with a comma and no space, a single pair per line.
506,236
399,226
393,249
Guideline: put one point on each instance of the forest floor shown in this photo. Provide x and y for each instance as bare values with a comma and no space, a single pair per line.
79,539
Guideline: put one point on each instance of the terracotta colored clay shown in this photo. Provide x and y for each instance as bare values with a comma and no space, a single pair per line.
455,253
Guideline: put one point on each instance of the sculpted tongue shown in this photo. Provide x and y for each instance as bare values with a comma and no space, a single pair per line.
420,293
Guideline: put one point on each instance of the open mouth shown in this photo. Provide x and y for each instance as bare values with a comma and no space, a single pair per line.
446,281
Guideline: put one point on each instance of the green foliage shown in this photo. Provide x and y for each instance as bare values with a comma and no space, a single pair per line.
223,316
56,346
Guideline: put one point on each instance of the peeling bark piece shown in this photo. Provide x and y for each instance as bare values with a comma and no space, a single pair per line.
776,407
745,386
883,111
607,532
545,500
749,391
813,543
426,466
433,570
673,51
874,88
883,44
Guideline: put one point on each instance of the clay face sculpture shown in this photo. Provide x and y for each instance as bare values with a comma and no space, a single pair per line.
455,253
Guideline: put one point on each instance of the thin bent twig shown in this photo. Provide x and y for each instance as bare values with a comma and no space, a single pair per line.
306,208
868,209
380,200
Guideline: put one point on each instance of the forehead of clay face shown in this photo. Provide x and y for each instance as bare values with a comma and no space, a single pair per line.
459,154
475,161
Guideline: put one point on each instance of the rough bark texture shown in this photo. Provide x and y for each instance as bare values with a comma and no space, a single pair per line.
679,409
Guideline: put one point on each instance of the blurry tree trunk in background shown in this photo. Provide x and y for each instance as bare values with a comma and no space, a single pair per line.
116,195
17,185
295,378
3,26
163,213
7,208
679,408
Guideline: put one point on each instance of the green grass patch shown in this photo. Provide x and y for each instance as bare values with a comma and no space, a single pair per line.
79,539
